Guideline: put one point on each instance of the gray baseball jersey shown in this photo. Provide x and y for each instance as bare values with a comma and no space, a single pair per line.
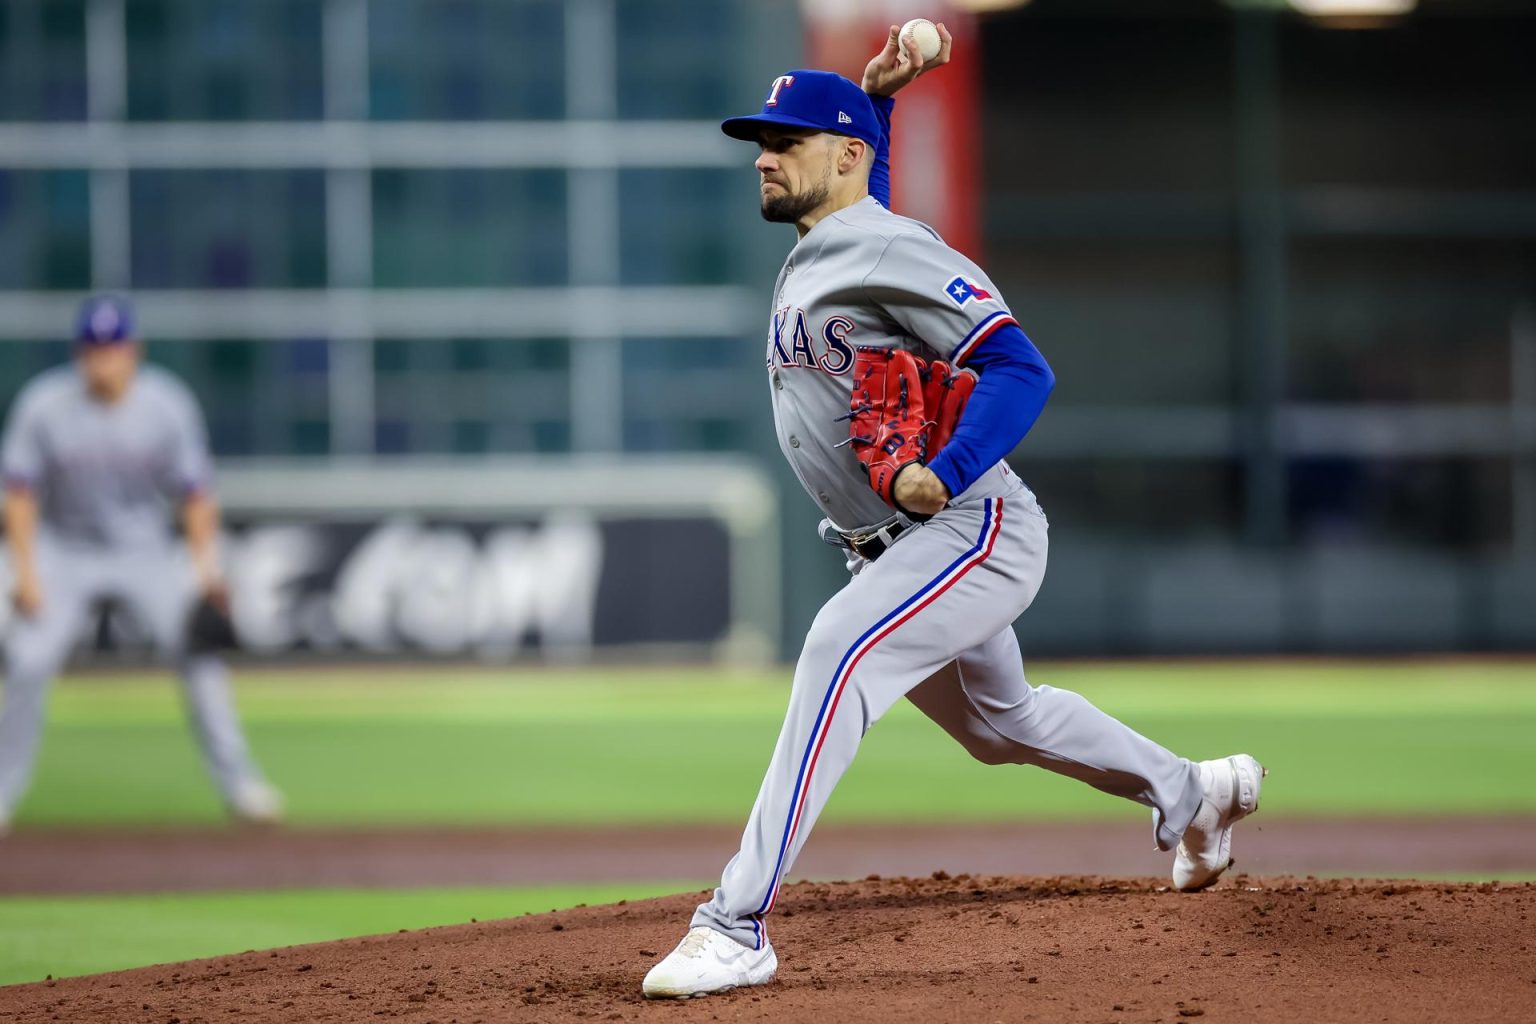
108,476
109,479
866,277
932,618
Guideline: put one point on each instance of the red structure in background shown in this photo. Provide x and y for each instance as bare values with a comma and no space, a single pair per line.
935,157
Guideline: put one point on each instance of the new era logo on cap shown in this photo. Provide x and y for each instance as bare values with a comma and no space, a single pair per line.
843,118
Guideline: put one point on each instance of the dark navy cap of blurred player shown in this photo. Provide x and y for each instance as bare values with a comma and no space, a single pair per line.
104,320
819,100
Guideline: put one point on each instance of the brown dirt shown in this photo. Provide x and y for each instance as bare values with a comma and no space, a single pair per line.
79,861
941,949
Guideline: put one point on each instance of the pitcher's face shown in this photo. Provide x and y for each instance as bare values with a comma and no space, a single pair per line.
795,169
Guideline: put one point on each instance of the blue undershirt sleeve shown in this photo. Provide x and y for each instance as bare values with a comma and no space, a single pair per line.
1014,383
880,174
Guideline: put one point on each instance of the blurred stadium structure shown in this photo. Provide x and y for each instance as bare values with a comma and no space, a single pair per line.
1286,274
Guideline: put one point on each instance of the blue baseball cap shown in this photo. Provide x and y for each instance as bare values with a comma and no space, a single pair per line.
819,100
104,320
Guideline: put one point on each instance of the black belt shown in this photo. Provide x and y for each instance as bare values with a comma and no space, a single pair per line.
871,544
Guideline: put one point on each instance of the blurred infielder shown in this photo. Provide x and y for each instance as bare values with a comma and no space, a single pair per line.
871,315
96,461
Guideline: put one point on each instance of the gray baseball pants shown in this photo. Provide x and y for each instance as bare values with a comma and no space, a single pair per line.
932,620
158,586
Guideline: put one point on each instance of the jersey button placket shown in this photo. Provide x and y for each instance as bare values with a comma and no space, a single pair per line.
794,442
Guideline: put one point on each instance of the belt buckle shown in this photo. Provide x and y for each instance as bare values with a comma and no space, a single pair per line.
885,535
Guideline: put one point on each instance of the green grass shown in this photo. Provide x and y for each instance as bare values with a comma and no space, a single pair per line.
89,934
587,747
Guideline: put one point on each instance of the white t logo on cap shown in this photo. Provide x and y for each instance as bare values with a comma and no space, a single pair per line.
782,82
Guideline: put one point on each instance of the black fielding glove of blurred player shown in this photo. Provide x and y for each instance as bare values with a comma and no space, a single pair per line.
209,626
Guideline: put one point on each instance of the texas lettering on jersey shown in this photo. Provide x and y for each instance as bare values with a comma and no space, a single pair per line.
793,344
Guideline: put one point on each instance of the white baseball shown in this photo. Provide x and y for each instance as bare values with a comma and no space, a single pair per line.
922,32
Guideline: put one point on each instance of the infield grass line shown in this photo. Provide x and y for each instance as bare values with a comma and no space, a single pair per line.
618,746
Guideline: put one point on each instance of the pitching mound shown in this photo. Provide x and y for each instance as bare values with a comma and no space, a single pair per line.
938,949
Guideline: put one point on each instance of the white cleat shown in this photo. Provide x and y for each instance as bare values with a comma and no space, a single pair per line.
257,803
707,961
1231,793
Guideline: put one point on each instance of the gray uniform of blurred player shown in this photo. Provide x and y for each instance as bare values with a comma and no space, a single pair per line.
97,479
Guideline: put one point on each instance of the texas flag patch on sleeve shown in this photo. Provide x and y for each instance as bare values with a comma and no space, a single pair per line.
962,291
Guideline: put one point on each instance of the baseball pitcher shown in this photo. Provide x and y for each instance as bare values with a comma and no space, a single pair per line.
96,461
900,379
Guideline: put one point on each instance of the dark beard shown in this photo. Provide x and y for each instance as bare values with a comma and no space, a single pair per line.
788,208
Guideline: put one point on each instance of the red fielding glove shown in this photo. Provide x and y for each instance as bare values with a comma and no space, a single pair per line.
945,392
887,428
